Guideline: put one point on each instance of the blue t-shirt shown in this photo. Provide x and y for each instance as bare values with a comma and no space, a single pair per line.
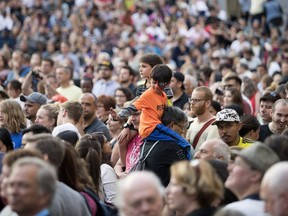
16,139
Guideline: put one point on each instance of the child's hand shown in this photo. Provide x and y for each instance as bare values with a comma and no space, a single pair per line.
113,114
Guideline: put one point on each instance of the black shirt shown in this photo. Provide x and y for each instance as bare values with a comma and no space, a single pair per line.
163,155
180,102
264,132
205,211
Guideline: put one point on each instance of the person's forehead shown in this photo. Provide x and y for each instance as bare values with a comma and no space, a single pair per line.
141,191
266,102
25,171
207,145
31,103
225,123
198,93
282,107
87,98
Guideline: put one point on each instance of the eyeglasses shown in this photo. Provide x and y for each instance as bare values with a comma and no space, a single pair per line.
122,96
194,100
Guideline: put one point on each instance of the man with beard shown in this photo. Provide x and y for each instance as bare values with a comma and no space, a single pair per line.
228,124
126,77
105,85
90,122
279,121
200,102
33,102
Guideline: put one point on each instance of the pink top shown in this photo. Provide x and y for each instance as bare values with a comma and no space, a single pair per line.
133,151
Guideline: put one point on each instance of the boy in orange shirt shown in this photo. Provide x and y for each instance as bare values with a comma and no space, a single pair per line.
152,103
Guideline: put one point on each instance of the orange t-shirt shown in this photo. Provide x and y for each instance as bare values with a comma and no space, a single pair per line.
152,105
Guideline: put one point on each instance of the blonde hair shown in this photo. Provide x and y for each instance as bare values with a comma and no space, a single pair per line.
16,119
52,110
198,178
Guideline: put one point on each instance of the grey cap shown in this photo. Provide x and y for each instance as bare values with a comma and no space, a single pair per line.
259,156
35,97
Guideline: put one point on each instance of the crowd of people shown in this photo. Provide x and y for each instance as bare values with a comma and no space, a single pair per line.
159,108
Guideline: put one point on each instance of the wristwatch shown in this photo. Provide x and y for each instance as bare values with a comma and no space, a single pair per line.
127,125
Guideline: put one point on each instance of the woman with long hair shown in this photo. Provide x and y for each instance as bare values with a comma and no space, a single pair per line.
96,151
194,189
233,96
73,172
12,118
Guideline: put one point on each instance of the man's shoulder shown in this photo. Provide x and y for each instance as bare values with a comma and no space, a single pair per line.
67,201
247,206
96,123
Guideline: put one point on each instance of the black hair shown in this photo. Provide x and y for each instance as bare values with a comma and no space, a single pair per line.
161,73
233,77
127,92
235,107
51,62
69,136
216,105
15,84
36,129
6,139
151,59
249,123
131,71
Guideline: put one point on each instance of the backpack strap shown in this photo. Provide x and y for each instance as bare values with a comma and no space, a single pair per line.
196,139
149,150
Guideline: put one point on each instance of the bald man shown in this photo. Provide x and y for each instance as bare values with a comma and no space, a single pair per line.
90,121
274,189
141,194
214,149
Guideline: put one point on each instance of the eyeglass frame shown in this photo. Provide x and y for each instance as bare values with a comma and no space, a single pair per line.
192,100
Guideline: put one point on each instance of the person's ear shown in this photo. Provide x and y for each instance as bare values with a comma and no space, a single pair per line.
239,126
256,176
208,103
45,157
170,125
